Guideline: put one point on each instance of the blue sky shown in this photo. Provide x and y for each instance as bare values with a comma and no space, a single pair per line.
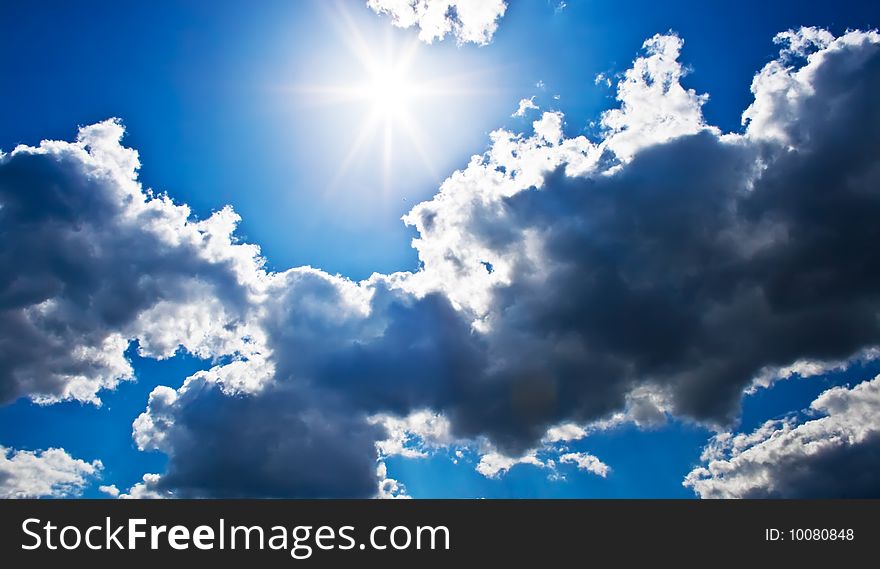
198,85
223,103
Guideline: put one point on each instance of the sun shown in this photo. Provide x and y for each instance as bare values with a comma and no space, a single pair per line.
390,91
390,95
392,85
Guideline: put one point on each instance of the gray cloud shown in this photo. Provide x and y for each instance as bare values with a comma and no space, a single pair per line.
88,261
690,266
283,442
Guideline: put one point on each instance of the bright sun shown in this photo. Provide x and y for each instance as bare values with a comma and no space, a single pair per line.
390,89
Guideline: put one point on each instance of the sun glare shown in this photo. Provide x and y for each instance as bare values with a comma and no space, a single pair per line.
400,99
389,91
392,90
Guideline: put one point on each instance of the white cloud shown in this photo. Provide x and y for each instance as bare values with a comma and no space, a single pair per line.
836,455
44,473
549,128
654,107
586,462
412,436
525,105
565,433
421,433
470,21
389,488
646,407
808,368
147,489
111,490
802,42
494,464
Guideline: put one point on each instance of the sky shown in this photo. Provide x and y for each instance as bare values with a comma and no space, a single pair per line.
439,248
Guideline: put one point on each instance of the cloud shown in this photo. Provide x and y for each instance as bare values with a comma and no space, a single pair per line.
470,21
344,357
389,488
586,462
655,271
834,456
104,263
645,406
654,106
565,433
809,368
413,435
495,464
525,105
666,258
423,433
111,490
44,473
602,79
281,442
147,489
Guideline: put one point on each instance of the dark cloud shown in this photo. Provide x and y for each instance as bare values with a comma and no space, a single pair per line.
83,255
280,443
700,262
305,432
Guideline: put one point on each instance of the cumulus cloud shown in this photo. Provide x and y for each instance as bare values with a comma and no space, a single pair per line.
51,473
106,262
678,261
470,21
344,357
834,456
281,442
655,271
